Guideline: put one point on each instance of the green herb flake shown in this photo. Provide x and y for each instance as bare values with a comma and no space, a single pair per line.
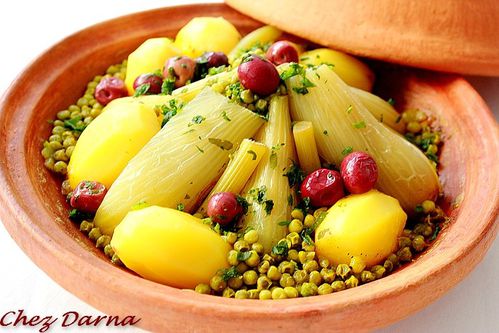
225,116
243,256
196,120
418,209
74,124
435,233
78,216
230,273
291,200
284,223
200,150
295,175
180,207
325,132
359,125
399,118
168,85
268,205
347,151
293,70
253,154
222,144
281,248
142,90
258,194
243,203
169,110
391,101
349,109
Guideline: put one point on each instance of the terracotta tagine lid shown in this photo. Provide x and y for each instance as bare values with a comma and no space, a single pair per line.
456,36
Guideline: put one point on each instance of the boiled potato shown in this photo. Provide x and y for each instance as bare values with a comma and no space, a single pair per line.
203,34
169,247
363,225
149,58
110,141
351,70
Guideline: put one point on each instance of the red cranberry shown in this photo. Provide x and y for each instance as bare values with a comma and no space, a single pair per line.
258,75
153,80
88,196
182,68
110,88
359,172
223,207
323,186
214,59
281,52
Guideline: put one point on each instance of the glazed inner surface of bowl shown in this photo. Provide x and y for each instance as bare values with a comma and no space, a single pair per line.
43,230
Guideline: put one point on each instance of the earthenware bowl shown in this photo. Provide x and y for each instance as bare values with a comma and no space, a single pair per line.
446,35
35,213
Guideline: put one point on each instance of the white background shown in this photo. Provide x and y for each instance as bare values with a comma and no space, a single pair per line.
29,27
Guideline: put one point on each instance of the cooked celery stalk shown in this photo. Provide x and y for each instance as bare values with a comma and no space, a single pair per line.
239,170
306,149
260,36
380,109
341,124
182,161
268,192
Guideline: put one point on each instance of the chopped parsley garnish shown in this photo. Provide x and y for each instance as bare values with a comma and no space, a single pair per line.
284,223
74,124
268,205
295,175
225,116
291,200
142,90
242,256
292,70
349,109
180,207
168,83
281,248
391,101
230,273
78,216
325,132
243,203
347,151
200,150
258,194
306,83
222,144
252,153
196,120
359,125
169,110
435,233
304,204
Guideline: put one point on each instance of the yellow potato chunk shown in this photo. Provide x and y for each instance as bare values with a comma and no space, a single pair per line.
203,34
148,58
360,225
351,70
110,141
170,247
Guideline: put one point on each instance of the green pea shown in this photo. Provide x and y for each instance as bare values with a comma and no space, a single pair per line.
58,123
95,112
324,289
378,271
74,108
61,167
81,102
307,246
300,276
404,254
290,292
203,288
231,237
324,263
109,251
58,130
69,151
343,271
315,278
253,293
388,265
235,282
69,141
217,283
367,276
228,293
295,226
413,127
261,104
293,255
310,266
265,294
94,234
241,294
263,282
297,214
232,258
351,282
116,260
241,267
418,243
47,152
257,247
250,277
328,275
273,273
357,264
428,206
60,155
251,236
241,246
103,241
86,226
338,286
309,221
55,138
49,163
294,239
404,241
246,96
263,267
287,267
278,293
308,289
286,280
